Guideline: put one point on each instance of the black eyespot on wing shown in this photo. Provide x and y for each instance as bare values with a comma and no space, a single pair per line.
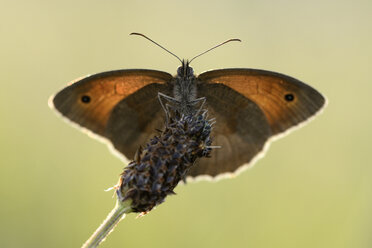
289,97
85,99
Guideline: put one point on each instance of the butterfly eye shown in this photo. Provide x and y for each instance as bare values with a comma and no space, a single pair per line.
289,97
85,99
179,70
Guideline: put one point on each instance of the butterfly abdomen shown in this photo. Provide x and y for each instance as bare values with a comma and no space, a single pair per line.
184,92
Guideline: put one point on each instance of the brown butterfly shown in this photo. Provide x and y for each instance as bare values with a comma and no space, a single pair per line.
251,108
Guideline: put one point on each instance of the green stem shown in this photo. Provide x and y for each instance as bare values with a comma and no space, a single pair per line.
108,225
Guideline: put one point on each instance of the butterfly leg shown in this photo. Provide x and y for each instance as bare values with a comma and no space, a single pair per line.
169,108
166,107
196,101
169,98
162,105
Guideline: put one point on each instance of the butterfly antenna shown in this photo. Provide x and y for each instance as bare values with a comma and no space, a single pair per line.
214,48
144,36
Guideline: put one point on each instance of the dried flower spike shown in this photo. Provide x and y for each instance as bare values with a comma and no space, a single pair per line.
157,169
165,160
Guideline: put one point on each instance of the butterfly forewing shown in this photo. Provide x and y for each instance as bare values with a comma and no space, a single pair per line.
285,101
90,102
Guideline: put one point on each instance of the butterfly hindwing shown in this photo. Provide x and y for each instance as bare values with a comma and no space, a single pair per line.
134,120
241,129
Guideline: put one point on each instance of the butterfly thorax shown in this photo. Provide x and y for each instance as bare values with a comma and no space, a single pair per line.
184,90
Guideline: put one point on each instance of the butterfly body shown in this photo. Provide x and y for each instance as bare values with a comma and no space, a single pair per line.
251,107
185,89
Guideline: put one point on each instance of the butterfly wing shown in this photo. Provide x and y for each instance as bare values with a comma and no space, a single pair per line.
285,102
241,129
121,106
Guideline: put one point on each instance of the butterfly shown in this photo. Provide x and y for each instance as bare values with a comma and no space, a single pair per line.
251,108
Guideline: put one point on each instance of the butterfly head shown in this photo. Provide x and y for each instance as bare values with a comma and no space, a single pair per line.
185,71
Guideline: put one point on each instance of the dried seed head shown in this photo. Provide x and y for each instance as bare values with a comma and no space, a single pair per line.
164,161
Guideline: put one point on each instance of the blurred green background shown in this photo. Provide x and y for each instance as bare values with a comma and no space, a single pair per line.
313,188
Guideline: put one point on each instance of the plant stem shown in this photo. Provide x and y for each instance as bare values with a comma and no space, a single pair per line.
108,225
